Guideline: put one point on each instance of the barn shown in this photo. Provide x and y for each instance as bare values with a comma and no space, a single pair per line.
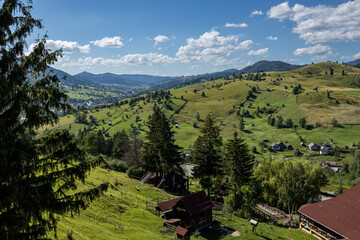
192,212
336,218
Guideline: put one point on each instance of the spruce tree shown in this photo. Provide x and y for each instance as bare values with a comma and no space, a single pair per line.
239,164
207,153
160,154
36,172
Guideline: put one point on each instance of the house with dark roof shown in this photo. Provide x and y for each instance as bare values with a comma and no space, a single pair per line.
336,218
314,147
192,212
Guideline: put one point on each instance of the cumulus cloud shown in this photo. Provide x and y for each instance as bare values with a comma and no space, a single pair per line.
150,59
258,52
160,38
321,24
272,38
245,44
256,13
236,25
67,47
317,50
109,42
357,55
209,46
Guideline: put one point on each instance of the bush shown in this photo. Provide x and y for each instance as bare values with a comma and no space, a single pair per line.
135,172
117,165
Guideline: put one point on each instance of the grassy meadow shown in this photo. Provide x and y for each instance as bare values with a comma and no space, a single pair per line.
121,214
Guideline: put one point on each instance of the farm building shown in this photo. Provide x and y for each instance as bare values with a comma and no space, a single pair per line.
314,147
192,212
277,146
336,218
289,147
265,140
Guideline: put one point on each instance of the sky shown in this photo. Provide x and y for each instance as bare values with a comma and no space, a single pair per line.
189,37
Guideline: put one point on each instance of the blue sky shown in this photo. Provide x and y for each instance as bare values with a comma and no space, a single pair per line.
196,36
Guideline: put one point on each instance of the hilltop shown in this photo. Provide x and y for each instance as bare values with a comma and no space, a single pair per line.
227,98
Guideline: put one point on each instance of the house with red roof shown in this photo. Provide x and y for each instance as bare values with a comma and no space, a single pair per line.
336,218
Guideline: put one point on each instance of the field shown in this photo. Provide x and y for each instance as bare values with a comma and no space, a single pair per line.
121,214
226,98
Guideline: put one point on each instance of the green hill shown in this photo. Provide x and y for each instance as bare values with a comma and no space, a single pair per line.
121,214
226,99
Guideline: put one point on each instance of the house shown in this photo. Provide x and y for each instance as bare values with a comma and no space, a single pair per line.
109,123
302,144
314,147
265,140
275,147
282,146
315,88
335,218
324,151
192,212
326,146
182,233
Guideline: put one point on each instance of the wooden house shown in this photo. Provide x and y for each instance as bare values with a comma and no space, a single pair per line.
314,147
336,218
192,212
182,233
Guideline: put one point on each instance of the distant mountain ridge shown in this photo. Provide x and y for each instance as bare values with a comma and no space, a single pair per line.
353,63
269,66
156,82
123,79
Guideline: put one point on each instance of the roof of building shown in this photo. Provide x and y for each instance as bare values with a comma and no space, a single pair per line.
197,202
340,214
194,203
168,204
181,231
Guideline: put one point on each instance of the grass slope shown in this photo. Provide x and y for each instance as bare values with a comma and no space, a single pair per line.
120,214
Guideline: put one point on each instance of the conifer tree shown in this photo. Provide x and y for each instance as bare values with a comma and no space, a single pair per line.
239,163
36,172
207,153
160,153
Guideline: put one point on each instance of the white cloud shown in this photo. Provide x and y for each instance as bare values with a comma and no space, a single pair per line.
225,62
209,46
160,38
321,24
317,50
245,44
130,39
357,55
150,59
272,38
109,42
67,47
236,25
258,52
256,13
195,67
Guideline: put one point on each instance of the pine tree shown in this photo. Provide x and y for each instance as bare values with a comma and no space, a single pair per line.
160,153
207,153
239,163
241,125
36,172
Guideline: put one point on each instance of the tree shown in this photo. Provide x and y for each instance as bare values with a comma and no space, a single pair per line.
289,123
160,153
203,94
302,122
331,71
296,90
133,154
207,153
239,164
289,184
36,172
241,125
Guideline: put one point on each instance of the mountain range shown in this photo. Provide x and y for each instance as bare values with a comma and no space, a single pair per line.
156,82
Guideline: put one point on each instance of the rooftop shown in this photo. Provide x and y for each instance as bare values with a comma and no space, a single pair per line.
340,214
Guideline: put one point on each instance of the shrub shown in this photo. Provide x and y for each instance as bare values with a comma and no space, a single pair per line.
116,164
135,172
